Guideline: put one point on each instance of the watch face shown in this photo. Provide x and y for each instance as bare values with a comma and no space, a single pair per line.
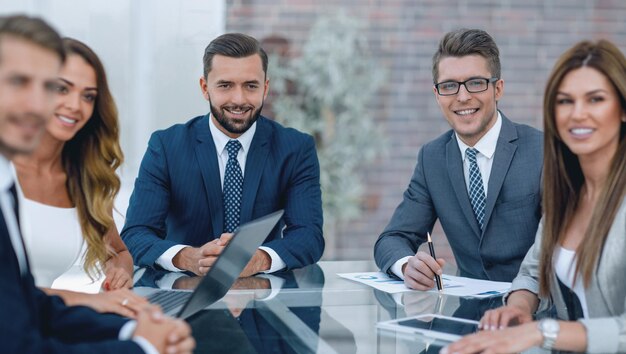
550,326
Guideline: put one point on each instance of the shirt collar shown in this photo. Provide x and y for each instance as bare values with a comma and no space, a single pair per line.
487,144
6,176
220,139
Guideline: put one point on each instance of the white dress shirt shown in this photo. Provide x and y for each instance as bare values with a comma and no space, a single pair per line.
486,147
220,139
7,206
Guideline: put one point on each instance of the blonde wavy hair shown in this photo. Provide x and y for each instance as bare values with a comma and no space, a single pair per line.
90,160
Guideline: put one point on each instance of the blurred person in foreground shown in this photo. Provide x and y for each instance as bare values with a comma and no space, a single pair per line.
31,56
578,260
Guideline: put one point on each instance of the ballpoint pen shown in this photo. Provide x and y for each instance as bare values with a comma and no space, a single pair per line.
432,254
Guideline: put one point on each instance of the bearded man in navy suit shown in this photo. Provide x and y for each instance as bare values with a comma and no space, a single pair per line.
199,180
31,54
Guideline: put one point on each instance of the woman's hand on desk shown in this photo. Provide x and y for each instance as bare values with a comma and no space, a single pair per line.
520,305
509,340
122,302
117,278
504,316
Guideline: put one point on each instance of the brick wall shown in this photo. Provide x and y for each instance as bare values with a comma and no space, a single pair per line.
403,35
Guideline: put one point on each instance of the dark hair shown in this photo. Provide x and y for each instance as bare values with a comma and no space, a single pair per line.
234,45
563,177
90,159
464,42
32,29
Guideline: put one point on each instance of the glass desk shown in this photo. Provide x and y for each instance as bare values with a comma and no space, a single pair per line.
312,310
308,310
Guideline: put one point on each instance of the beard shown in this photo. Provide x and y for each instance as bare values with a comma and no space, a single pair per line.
235,126
21,133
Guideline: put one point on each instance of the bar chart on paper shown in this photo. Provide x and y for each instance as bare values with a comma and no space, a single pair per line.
452,285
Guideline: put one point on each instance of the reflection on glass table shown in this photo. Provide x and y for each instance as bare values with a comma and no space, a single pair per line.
312,310
252,317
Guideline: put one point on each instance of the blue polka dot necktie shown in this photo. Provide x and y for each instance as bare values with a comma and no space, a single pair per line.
476,189
233,187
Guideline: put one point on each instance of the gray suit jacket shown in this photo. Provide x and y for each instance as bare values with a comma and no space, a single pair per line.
438,191
606,295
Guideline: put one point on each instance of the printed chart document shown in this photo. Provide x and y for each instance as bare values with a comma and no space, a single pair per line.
452,285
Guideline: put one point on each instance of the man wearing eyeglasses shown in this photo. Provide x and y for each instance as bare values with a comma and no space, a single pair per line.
482,179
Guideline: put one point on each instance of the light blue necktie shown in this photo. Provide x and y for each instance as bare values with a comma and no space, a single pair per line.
476,189
233,188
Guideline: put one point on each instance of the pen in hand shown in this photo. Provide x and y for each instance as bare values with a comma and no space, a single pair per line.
432,254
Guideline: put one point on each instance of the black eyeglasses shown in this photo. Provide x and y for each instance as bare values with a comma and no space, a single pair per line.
475,85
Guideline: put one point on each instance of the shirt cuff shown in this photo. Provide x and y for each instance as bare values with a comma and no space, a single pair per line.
276,284
165,260
146,346
277,262
396,268
126,333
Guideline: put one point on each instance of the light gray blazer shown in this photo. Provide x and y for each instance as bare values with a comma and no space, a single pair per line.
606,296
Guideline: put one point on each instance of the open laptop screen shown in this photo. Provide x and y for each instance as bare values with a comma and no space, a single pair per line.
234,258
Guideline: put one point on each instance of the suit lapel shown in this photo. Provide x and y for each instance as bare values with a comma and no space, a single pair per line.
457,178
255,163
207,160
503,156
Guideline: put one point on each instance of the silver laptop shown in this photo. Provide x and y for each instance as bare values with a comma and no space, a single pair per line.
216,283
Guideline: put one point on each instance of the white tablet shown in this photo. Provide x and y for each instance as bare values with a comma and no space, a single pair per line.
432,325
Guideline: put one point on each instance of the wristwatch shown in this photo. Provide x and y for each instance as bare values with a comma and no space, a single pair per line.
549,329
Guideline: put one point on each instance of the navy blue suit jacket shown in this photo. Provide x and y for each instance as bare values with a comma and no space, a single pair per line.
178,194
33,322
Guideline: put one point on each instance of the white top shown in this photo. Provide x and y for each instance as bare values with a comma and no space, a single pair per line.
486,147
564,266
52,236
220,140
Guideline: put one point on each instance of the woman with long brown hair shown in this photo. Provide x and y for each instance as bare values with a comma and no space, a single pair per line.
68,186
578,260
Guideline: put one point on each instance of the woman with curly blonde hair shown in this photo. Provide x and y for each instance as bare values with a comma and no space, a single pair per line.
68,187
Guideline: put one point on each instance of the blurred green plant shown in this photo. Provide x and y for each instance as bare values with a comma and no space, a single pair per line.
329,92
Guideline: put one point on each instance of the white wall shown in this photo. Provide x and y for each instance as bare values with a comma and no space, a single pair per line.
152,51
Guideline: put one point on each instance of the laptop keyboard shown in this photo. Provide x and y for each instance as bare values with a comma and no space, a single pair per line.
169,300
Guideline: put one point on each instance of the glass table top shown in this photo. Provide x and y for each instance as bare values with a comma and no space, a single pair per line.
313,310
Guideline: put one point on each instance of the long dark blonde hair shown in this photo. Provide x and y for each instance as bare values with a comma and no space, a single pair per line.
90,159
563,177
